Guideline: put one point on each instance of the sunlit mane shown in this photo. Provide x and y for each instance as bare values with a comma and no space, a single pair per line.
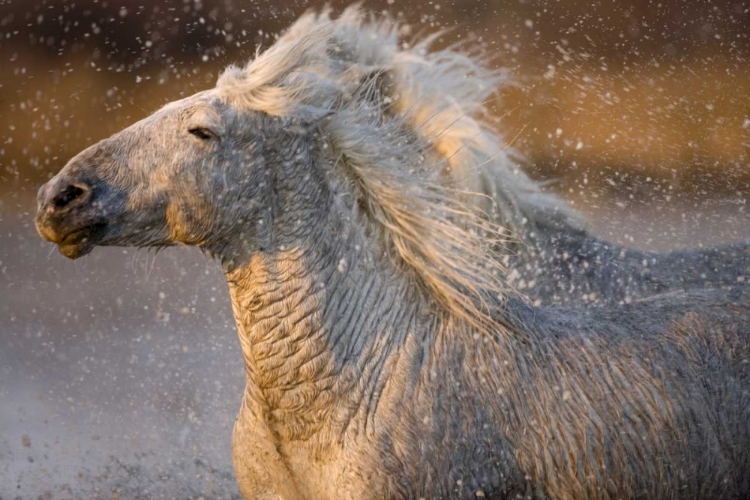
409,126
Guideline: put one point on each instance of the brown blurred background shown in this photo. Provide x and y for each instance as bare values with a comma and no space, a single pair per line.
120,374
661,87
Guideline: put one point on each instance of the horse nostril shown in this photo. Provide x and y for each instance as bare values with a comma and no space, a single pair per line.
69,195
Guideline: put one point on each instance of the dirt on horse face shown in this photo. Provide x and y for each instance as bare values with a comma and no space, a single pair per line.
386,355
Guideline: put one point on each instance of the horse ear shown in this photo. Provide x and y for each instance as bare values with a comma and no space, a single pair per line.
306,119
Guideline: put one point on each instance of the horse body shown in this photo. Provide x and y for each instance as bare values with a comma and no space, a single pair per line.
358,388
561,263
385,354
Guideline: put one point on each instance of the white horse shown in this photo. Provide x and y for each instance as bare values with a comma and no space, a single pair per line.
385,354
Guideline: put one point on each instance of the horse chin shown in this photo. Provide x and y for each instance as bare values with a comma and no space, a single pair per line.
81,242
76,250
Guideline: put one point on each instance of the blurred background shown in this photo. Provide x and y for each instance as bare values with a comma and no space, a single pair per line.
120,373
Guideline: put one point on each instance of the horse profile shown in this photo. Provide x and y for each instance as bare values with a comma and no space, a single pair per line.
386,355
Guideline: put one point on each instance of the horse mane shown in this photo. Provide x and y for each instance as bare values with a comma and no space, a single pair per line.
411,128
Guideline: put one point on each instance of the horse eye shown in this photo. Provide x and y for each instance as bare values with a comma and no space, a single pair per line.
202,133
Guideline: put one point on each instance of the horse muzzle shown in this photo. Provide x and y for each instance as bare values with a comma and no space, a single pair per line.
69,216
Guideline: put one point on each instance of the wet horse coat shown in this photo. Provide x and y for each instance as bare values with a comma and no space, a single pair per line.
385,354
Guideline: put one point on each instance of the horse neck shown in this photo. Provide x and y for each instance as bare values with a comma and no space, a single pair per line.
316,316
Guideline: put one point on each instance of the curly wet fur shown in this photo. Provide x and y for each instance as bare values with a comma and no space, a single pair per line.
385,355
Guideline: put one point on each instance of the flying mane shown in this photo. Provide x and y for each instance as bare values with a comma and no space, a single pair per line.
409,127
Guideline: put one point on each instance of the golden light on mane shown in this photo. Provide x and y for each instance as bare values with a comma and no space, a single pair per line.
409,126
